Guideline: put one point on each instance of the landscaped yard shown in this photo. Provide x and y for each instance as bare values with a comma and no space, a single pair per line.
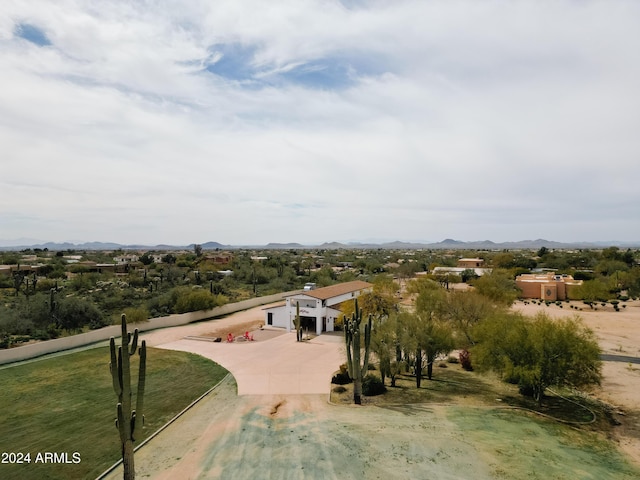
67,404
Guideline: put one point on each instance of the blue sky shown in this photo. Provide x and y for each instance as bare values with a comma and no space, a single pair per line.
250,122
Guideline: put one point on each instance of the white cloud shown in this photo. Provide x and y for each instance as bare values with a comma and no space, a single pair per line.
399,120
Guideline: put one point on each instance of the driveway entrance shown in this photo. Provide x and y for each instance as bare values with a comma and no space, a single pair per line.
275,366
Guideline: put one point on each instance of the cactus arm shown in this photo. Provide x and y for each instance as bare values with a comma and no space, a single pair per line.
120,378
113,368
134,343
356,350
367,343
139,416
348,340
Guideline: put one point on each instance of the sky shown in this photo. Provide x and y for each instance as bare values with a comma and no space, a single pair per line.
247,122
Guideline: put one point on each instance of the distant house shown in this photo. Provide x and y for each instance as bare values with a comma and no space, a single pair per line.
157,257
221,258
9,270
549,287
123,259
319,308
470,263
459,270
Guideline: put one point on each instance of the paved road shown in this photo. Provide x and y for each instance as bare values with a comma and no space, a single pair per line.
619,358
275,366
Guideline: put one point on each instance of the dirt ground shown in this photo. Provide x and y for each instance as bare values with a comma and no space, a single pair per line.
303,436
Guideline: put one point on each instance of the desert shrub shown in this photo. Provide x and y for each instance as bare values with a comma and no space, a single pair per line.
191,300
339,389
136,315
342,377
45,284
74,313
372,385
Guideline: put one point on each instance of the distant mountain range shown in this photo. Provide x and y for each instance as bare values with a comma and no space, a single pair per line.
449,243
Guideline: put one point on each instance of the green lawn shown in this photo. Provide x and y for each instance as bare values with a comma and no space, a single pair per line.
67,404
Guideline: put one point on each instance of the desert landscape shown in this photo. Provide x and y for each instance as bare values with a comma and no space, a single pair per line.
227,435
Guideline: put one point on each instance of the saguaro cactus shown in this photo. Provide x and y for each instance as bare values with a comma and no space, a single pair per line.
129,422
298,323
353,336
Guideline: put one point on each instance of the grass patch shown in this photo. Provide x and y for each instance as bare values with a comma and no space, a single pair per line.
456,386
518,442
67,404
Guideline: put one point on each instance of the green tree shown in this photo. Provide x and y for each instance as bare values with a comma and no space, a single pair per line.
539,353
503,260
169,259
464,310
498,286
385,344
610,267
146,259
592,291
542,251
428,338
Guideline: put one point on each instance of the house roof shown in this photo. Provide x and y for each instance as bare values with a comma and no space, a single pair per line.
325,293
279,305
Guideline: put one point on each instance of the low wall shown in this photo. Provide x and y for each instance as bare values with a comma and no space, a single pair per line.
59,344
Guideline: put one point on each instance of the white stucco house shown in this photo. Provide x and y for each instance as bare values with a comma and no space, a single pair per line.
319,308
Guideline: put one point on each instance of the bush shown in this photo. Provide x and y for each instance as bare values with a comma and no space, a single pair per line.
74,313
339,389
136,315
372,385
192,300
342,377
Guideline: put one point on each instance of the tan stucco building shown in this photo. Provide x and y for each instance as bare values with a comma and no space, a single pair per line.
549,287
470,263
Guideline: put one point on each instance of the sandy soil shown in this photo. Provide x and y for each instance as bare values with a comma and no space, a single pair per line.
302,436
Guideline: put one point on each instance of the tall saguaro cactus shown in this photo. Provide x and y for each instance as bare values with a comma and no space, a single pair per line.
353,339
128,421
298,323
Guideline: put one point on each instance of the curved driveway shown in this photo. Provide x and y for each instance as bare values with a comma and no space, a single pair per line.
279,365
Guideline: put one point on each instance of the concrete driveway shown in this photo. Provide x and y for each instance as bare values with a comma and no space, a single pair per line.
275,366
